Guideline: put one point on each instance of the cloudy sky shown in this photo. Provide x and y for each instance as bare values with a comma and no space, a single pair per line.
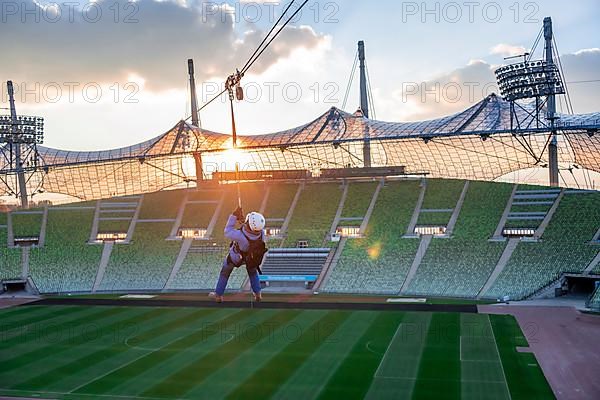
111,73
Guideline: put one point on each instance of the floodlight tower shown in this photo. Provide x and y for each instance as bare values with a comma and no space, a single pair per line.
21,134
540,80
364,103
551,108
17,146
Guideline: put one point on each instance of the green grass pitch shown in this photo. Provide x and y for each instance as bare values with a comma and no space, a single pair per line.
75,352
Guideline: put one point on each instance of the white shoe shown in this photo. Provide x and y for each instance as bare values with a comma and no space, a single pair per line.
218,299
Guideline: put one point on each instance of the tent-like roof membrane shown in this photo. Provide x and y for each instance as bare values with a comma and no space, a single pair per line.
483,142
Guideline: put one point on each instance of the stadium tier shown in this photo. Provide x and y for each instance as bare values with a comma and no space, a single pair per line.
161,205
66,262
27,224
144,264
564,247
460,266
357,201
10,259
314,215
379,262
382,260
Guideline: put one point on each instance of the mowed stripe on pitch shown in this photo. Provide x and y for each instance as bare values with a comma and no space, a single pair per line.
80,359
482,375
136,345
19,314
37,349
19,327
312,376
396,375
156,373
106,383
439,371
264,382
17,370
180,382
353,377
218,383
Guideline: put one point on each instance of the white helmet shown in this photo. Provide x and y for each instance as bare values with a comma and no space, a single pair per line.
256,221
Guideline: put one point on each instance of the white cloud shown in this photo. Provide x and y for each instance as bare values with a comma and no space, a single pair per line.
152,40
593,50
456,90
507,50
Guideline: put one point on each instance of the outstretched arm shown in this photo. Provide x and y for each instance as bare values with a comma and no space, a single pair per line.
230,231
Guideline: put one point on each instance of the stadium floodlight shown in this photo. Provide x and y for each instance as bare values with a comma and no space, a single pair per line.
529,79
25,129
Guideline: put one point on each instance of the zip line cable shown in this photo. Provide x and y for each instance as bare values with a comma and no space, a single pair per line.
258,52
249,65
268,34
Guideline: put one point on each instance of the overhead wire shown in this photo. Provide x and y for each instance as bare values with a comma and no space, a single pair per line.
370,93
351,79
259,50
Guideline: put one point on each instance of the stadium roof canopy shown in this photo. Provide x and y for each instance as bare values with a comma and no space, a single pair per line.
483,142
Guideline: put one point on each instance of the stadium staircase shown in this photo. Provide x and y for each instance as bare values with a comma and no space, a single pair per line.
506,255
529,208
294,267
185,247
116,215
423,246
592,265
204,201
106,252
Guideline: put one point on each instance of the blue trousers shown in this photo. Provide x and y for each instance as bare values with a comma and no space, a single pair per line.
226,271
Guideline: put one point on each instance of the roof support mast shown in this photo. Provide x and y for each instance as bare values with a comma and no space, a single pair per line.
194,100
364,99
17,147
195,121
551,111
364,103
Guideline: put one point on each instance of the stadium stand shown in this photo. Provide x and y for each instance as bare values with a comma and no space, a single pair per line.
198,215
564,247
442,194
379,262
376,263
66,263
161,205
10,259
357,201
143,264
314,214
280,199
459,266
27,224
200,269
